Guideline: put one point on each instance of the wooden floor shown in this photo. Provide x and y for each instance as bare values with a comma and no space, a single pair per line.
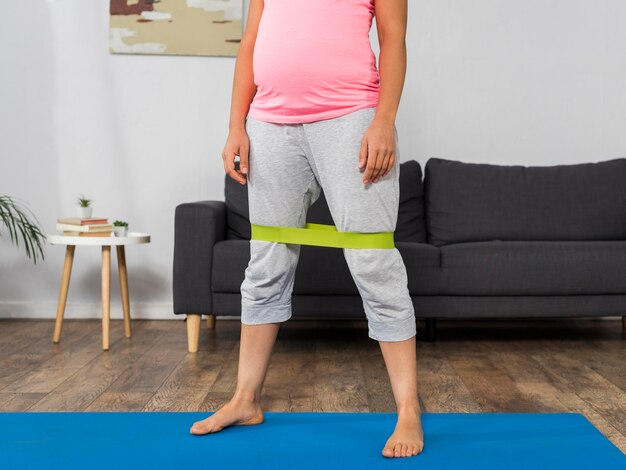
501,366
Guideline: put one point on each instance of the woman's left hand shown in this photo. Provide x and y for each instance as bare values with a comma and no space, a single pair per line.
378,151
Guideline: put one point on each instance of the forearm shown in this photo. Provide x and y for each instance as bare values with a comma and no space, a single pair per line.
392,71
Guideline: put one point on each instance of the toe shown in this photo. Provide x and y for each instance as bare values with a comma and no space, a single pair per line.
405,450
198,428
397,449
388,451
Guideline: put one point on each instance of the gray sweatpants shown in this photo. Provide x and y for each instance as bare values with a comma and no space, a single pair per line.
288,165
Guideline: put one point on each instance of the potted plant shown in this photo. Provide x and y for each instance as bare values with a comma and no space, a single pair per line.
84,207
120,228
18,223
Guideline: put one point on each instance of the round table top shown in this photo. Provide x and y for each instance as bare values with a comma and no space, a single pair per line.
131,238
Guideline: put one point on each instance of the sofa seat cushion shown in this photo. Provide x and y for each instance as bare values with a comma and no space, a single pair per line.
322,270
534,268
423,267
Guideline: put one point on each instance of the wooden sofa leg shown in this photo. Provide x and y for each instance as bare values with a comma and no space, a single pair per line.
431,329
193,331
210,322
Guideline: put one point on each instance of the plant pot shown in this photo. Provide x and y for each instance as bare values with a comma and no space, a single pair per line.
84,212
120,231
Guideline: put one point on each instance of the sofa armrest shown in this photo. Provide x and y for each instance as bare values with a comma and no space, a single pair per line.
198,226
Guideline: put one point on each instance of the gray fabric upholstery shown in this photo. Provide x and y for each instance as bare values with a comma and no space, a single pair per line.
237,215
518,306
533,268
411,225
450,306
475,268
480,202
198,226
477,240
322,270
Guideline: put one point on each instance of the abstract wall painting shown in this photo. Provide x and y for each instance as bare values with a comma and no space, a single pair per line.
176,27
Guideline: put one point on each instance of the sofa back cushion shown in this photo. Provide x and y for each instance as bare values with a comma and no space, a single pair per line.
478,202
411,225
237,213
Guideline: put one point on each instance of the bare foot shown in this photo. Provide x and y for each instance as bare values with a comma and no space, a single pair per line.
235,412
407,438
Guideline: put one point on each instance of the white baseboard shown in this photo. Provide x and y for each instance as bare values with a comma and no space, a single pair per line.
47,310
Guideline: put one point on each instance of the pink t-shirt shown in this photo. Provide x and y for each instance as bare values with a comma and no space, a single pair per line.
313,60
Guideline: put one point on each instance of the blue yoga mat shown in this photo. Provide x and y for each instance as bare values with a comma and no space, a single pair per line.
156,440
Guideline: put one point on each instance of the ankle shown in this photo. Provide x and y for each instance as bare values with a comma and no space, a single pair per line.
409,409
247,397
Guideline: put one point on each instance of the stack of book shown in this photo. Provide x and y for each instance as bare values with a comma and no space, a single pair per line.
85,227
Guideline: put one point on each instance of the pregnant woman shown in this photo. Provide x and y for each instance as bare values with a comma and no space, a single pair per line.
310,111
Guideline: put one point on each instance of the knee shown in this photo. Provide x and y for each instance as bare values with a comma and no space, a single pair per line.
373,264
266,256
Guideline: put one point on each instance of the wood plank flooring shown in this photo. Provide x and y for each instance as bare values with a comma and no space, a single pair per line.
552,365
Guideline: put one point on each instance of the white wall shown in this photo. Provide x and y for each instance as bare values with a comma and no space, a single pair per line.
532,82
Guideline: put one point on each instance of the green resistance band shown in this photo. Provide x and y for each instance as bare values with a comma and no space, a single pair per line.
322,235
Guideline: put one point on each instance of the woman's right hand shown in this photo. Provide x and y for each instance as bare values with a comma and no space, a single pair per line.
237,143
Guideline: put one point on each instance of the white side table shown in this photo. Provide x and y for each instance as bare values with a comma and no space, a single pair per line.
106,243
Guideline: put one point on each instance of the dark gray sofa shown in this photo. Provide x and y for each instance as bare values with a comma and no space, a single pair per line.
478,240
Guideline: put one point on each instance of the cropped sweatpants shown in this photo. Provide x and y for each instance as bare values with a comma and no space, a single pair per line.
288,165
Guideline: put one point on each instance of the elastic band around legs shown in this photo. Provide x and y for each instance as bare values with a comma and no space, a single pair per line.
322,235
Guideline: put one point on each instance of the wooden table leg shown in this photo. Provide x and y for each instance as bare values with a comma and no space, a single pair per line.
193,331
106,295
121,264
65,285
